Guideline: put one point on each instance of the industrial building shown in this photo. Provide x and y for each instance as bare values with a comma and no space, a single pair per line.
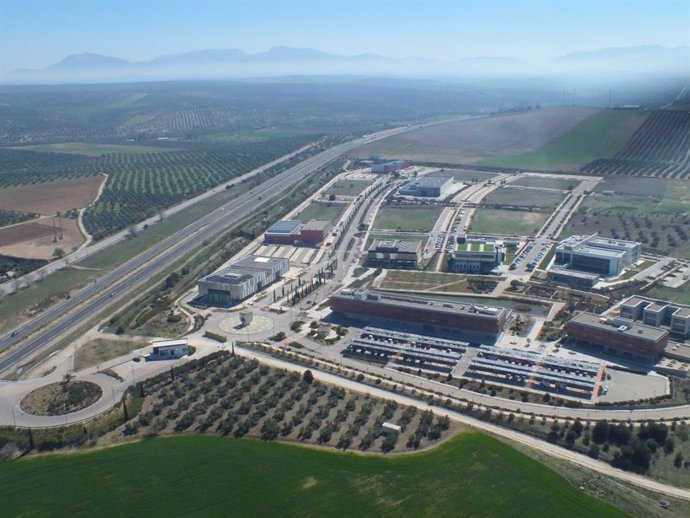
427,186
284,232
657,313
390,167
618,335
480,323
475,257
168,349
242,279
315,231
603,256
394,254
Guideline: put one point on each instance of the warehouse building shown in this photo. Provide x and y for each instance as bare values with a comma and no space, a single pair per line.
390,167
284,232
242,279
394,254
315,231
428,187
475,257
618,335
658,313
603,256
480,324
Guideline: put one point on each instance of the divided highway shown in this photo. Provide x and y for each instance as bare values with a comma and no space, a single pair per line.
106,291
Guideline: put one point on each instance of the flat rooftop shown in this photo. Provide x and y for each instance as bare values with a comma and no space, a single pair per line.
475,247
633,329
409,301
285,226
655,307
395,245
635,301
574,273
429,181
679,350
594,250
682,312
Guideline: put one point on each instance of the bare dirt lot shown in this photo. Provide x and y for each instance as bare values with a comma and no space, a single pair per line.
468,141
37,239
53,197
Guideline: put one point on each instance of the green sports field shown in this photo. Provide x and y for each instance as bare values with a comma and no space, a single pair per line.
600,136
471,475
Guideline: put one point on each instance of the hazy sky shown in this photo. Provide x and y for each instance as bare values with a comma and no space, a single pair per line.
38,33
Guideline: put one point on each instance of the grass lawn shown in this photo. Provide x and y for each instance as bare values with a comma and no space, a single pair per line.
81,148
491,221
680,295
528,197
545,182
101,350
600,136
347,187
317,210
408,219
471,475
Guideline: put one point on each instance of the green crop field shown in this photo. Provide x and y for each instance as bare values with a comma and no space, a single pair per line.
491,221
408,219
347,187
471,475
318,210
527,197
81,148
600,136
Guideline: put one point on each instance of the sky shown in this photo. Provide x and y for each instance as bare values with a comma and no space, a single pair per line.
39,33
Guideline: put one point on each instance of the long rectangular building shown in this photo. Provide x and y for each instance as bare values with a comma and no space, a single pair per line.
429,313
394,253
617,335
242,279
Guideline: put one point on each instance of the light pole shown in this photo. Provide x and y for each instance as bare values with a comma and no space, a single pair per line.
14,418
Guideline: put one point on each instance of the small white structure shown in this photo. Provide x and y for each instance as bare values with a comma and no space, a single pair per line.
388,428
169,349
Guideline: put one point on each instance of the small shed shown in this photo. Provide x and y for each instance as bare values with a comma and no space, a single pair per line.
169,349
389,428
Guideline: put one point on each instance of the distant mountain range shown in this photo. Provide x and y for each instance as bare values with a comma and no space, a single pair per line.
282,61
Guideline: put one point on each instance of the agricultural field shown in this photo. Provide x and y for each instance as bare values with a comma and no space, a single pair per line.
233,396
524,197
496,221
41,238
650,210
215,476
52,197
90,149
439,282
545,182
11,217
600,136
322,210
472,140
407,219
659,148
347,187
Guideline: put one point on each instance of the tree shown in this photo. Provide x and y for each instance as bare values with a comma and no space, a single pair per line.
600,432
58,253
308,377
331,197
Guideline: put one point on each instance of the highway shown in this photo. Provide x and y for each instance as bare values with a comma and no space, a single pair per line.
112,287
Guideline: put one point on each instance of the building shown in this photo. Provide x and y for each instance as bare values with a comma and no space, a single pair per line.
315,231
284,232
618,335
603,256
394,254
572,277
475,257
169,349
390,167
658,313
483,323
242,279
428,186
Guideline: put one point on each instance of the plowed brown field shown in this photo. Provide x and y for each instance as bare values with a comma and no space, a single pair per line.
53,197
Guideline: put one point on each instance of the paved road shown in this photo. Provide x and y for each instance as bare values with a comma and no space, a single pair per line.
114,286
